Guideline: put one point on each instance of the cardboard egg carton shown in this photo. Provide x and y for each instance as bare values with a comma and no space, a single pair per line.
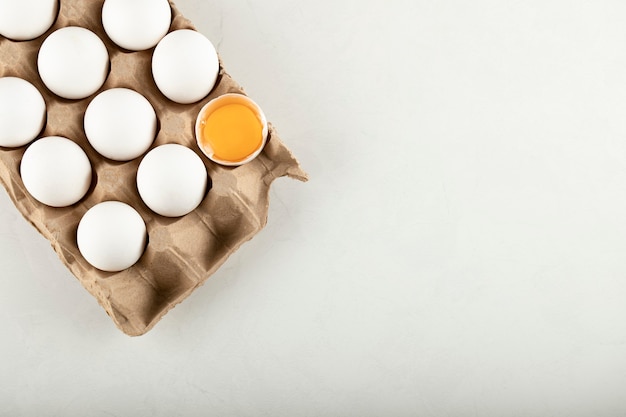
182,253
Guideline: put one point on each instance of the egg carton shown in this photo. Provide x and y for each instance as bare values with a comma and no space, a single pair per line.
182,253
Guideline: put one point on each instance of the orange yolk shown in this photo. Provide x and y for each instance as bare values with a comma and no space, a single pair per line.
234,132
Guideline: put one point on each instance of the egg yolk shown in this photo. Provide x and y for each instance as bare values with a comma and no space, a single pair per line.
234,132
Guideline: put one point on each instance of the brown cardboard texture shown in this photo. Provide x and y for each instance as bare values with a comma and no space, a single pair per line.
182,252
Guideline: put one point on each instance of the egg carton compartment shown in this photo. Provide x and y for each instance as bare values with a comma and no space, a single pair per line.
181,253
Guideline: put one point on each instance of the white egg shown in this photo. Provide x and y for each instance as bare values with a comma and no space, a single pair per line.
111,236
56,171
73,62
23,20
120,124
22,112
136,25
185,66
172,180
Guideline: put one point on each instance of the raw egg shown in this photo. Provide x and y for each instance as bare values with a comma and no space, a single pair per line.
185,66
136,25
56,171
22,112
172,180
23,20
120,124
111,236
73,62
231,129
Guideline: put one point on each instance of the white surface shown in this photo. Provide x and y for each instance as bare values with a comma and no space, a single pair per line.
459,250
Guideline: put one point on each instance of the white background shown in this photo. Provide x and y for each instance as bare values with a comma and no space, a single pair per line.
459,249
